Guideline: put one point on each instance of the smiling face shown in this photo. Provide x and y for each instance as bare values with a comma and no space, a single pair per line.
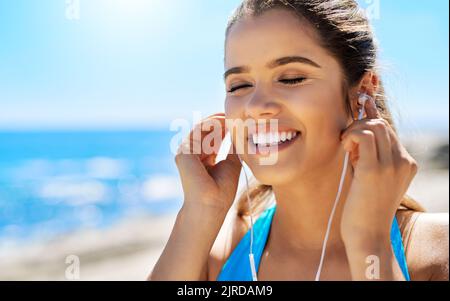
277,69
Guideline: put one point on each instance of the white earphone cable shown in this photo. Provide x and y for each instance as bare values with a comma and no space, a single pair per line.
336,201
330,220
251,256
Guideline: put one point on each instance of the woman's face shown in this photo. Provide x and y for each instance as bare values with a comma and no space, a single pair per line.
277,70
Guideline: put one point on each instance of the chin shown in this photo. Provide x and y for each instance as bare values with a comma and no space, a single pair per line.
277,174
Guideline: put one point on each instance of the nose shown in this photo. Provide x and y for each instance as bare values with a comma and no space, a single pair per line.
261,106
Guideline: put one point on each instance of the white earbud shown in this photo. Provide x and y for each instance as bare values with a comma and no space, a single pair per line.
363,97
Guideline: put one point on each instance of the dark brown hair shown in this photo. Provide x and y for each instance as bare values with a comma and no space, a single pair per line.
344,31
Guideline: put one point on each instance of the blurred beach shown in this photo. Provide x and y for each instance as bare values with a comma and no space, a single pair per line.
96,195
113,209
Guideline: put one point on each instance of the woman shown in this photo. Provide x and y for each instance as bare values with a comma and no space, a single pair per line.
304,64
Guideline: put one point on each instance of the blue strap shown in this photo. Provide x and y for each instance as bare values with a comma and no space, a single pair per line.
237,267
397,246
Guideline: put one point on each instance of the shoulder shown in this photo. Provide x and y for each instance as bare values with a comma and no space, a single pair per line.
426,241
233,230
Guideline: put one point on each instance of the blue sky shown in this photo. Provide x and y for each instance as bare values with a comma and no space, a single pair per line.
142,63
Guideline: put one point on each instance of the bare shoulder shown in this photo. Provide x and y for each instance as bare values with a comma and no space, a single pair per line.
232,231
426,240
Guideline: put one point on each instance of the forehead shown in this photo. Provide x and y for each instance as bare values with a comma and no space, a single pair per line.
276,33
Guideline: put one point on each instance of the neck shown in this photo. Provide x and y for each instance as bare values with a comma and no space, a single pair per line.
304,208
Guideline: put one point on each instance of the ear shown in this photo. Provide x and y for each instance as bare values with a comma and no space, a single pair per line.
369,85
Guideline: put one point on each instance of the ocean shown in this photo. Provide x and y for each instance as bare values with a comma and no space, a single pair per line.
52,183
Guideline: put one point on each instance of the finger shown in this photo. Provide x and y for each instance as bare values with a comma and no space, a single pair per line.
382,139
399,152
363,143
216,115
209,124
229,167
401,159
192,143
213,133
206,137
371,109
214,123
189,167
397,149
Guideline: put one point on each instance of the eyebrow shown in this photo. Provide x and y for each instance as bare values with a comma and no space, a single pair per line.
273,64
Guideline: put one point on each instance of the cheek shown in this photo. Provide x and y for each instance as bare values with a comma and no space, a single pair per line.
314,105
320,109
233,113
232,108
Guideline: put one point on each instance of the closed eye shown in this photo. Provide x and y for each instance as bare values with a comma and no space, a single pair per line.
233,89
288,81
293,81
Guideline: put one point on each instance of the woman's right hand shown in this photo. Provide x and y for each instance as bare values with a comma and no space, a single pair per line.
209,185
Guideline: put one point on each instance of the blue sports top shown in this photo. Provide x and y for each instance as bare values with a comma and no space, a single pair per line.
237,267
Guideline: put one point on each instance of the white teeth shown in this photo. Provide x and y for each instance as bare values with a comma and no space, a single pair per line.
260,139
273,138
255,139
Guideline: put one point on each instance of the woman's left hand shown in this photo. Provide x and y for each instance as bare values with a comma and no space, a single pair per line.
383,171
